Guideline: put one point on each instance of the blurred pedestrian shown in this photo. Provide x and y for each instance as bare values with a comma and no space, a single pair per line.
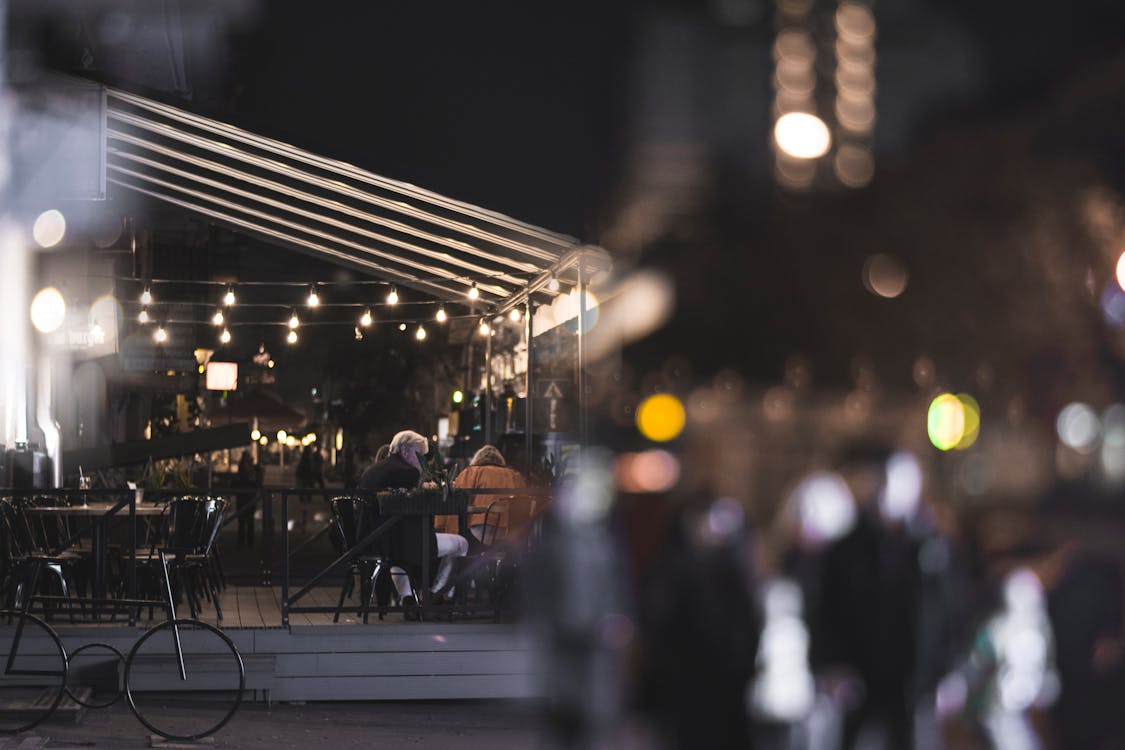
246,480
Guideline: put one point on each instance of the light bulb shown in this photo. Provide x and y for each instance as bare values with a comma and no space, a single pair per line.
365,319
228,298
270,364
160,335
314,298
146,297
484,329
292,337
402,326
225,336
420,334
217,318
514,315
392,297
142,316
294,321
474,293
553,284
441,316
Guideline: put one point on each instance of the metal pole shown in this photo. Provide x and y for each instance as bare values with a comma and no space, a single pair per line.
284,561
529,395
582,426
488,386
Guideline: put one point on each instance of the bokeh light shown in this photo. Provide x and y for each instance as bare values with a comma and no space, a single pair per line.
1078,427
1120,271
647,471
802,135
945,421
1113,305
661,418
854,165
48,310
902,492
971,411
49,228
884,276
825,508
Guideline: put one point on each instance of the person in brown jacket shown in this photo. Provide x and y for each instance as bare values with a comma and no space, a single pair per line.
488,470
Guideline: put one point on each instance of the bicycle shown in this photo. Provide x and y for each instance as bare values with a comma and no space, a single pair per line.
212,676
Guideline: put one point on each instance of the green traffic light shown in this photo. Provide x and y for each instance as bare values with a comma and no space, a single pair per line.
458,397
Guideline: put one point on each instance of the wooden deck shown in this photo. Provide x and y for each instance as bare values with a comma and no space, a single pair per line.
316,659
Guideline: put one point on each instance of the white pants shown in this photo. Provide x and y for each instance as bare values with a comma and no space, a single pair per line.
449,546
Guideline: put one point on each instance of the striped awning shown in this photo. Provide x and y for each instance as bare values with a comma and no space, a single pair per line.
294,198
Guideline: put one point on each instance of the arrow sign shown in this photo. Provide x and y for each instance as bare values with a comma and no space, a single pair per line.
553,388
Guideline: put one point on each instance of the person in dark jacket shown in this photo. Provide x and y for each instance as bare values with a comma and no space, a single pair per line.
402,469
247,481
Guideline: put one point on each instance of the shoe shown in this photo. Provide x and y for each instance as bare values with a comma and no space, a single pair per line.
410,610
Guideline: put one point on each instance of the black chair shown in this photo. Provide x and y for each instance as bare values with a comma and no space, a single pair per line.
353,518
186,534
29,553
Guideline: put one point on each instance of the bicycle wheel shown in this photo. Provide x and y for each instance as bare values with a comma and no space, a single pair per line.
95,671
191,704
33,670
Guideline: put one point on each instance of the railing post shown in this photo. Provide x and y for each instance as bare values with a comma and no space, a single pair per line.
267,539
285,562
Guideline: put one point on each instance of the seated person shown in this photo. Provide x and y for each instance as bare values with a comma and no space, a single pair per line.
487,470
402,469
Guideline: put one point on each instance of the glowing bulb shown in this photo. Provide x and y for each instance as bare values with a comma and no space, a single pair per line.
228,298
160,335
225,336
392,297
263,440
294,321
402,326
48,310
292,337
146,297
49,228
514,315
802,136
474,293
458,396
270,364
142,316
97,333
420,334
255,434
484,329
365,319
314,298
553,284
217,318
282,435
441,317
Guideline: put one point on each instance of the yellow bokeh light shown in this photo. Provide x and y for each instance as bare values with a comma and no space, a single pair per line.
661,417
971,411
945,421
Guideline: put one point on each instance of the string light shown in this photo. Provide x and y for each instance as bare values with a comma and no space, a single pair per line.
402,326
365,319
225,336
292,337
146,296
474,293
294,321
420,334
484,329
160,335
314,298
358,333
553,284
228,298
217,318
142,316
441,317
392,296
514,315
